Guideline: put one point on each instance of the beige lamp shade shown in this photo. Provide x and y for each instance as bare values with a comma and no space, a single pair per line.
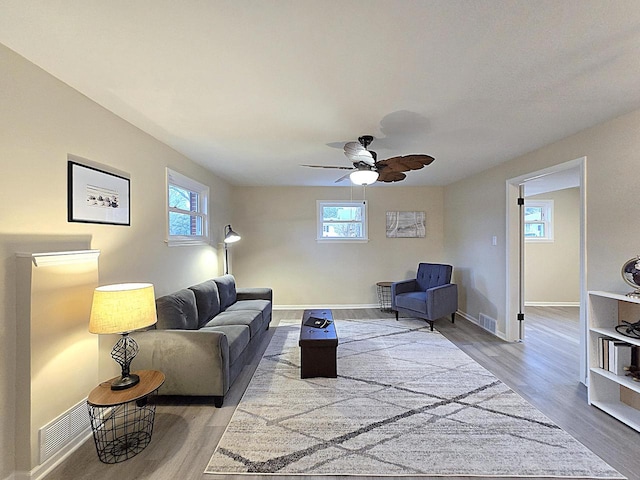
122,308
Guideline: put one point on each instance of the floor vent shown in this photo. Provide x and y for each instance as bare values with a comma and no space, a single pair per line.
63,430
487,322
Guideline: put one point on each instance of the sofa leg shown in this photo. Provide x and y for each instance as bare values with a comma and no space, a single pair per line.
217,400
430,324
396,315
453,317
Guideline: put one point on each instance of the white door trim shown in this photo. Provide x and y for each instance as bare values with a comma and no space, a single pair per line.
513,259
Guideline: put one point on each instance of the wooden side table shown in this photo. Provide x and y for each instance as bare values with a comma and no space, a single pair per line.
122,420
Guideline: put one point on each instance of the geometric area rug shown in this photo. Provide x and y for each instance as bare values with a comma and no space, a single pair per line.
407,402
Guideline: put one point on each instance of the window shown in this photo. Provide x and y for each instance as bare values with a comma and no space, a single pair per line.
538,220
342,221
187,217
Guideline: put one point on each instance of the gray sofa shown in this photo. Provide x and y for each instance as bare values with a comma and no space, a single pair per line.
205,334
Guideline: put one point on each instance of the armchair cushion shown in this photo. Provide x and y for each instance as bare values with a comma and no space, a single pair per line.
433,275
416,301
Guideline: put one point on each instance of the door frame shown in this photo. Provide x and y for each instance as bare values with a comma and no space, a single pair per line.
513,253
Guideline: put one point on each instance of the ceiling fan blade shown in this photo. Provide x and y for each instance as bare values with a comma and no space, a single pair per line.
327,166
362,157
357,153
405,163
353,148
390,176
343,177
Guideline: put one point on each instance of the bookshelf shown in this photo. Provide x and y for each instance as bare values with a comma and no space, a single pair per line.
617,395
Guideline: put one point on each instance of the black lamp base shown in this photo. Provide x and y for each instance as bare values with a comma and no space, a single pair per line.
124,382
123,353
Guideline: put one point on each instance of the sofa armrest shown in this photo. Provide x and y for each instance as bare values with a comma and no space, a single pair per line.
442,301
254,294
194,362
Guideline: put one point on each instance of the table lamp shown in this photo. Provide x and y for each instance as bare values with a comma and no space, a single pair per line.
123,308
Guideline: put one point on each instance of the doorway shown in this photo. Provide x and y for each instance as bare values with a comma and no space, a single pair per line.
562,176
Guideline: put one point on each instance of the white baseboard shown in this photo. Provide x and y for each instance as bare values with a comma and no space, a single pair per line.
551,304
48,465
332,307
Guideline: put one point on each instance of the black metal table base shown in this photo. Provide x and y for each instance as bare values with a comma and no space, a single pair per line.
121,432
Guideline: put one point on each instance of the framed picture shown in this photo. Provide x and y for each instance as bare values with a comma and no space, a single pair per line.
96,196
406,225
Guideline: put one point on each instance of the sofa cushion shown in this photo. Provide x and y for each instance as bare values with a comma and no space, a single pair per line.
207,301
263,306
227,290
416,301
177,310
251,318
238,337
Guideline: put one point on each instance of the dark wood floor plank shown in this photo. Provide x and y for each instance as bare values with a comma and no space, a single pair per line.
543,369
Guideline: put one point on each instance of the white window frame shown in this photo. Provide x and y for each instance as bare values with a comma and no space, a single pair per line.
177,179
547,220
320,204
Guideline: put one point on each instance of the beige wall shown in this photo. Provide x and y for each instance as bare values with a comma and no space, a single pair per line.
552,269
279,247
475,209
42,121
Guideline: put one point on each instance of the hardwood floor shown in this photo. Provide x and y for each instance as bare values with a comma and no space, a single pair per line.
543,369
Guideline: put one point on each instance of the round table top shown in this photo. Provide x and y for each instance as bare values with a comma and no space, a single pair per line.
103,396
384,284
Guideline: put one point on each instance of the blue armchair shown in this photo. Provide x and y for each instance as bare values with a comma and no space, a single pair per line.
429,296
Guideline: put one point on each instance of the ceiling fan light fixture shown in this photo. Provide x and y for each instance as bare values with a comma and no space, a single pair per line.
363,177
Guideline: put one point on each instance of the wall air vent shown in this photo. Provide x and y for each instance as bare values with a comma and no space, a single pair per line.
488,323
63,430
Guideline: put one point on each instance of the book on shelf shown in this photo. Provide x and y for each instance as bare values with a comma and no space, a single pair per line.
614,355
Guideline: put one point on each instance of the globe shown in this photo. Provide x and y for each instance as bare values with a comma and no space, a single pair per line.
631,275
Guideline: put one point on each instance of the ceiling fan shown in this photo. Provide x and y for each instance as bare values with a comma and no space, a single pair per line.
367,169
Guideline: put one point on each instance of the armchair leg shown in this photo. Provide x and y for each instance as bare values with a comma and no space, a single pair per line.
453,317
430,324
396,315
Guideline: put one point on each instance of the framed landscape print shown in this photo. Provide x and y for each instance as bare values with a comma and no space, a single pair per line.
96,196
406,225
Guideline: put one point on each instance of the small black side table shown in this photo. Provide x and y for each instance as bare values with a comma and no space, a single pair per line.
384,296
122,420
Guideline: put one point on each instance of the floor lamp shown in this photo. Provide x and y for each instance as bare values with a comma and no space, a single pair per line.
229,237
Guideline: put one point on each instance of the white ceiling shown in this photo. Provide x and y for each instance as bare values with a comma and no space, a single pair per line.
253,89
